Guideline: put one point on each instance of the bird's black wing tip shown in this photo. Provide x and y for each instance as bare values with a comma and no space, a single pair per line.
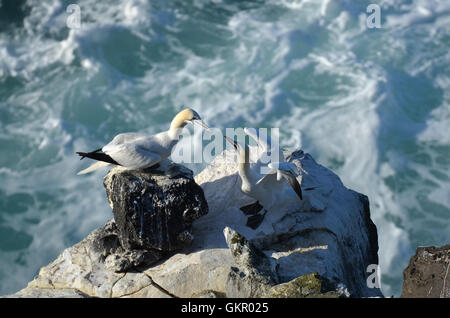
81,154
296,186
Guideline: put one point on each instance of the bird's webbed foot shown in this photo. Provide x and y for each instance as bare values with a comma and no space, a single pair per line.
251,209
255,220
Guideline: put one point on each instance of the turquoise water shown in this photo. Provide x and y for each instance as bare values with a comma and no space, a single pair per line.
371,104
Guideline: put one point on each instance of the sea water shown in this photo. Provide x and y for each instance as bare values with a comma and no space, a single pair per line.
372,104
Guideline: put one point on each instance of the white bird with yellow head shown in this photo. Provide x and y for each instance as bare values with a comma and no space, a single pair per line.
140,151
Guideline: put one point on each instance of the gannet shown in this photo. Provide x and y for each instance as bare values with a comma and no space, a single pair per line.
268,189
139,151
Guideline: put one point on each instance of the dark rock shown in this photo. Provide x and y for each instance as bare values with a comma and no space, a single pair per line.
371,229
106,240
428,273
154,208
123,261
106,243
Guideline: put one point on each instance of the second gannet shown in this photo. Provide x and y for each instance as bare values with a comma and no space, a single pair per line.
268,189
139,151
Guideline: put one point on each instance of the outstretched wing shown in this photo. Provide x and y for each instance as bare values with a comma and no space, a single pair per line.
290,177
268,178
286,166
285,170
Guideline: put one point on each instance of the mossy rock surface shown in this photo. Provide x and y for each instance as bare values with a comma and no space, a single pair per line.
307,286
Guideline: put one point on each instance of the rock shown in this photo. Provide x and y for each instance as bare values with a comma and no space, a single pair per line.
428,273
114,256
253,273
121,262
257,275
32,292
308,286
329,232
81,271
209,294
318,247
154,208
194,272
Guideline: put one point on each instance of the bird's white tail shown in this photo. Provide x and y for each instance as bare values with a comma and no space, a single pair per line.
94,166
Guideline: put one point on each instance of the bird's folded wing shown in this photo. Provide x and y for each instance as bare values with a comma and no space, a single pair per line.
124,138
132,155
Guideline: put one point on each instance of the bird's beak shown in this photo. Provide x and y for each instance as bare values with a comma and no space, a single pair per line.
231,141
200,123
273,168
